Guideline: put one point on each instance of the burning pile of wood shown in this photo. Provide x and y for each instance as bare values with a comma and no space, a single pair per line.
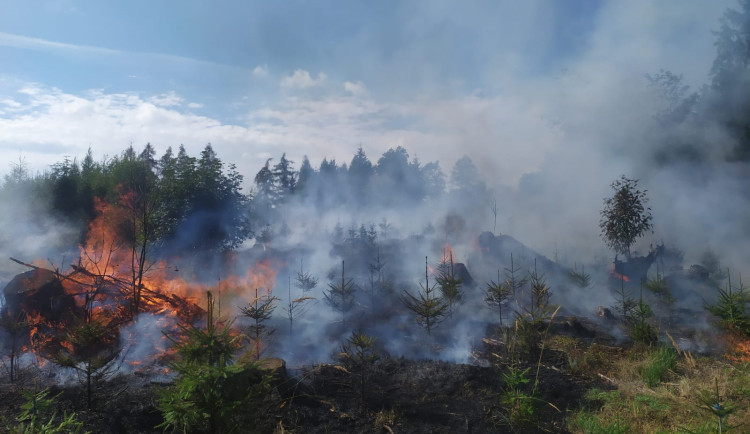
51,303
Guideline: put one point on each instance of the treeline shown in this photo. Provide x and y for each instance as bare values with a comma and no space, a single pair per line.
179,203
394,180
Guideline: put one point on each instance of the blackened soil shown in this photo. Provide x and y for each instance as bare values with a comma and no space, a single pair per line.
400,396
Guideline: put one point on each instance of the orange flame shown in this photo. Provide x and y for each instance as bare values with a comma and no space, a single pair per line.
104,280
739,350
619,276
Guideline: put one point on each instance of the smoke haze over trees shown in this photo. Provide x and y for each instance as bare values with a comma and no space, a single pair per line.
687,144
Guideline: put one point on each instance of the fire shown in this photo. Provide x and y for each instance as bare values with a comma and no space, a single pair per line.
448,253
619,276
110,284
739,349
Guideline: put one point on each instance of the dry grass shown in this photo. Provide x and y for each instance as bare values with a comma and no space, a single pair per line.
679,403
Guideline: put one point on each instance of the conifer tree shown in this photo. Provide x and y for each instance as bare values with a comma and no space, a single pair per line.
497,294
213,392
296,307
259,311
429,307
514,282
340,295
449,283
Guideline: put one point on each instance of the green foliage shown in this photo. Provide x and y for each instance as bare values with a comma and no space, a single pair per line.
259,311
449,283
580,278
429,307
660,362
212,393
625,218
340,295
539,291
640,328
37,409
712,402
497,294
636,315
625,302
588,423
297,306
520,405
732,308
658,286
92,352
358,355
515,283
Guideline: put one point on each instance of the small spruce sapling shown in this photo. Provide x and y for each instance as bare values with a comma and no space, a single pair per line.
540,293
358,356
429,307
581,279
449,283
296,307
212,392
732,307
305,281
640,328
515,282
340,295
497,294
92,353
259,311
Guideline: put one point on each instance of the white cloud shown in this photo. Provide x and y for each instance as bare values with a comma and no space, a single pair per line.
301,79
195,105
356,88
168,99
260,71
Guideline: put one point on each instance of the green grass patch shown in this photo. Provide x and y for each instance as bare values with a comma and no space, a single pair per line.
661,361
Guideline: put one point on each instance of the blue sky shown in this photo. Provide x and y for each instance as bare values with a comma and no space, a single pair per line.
508,82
